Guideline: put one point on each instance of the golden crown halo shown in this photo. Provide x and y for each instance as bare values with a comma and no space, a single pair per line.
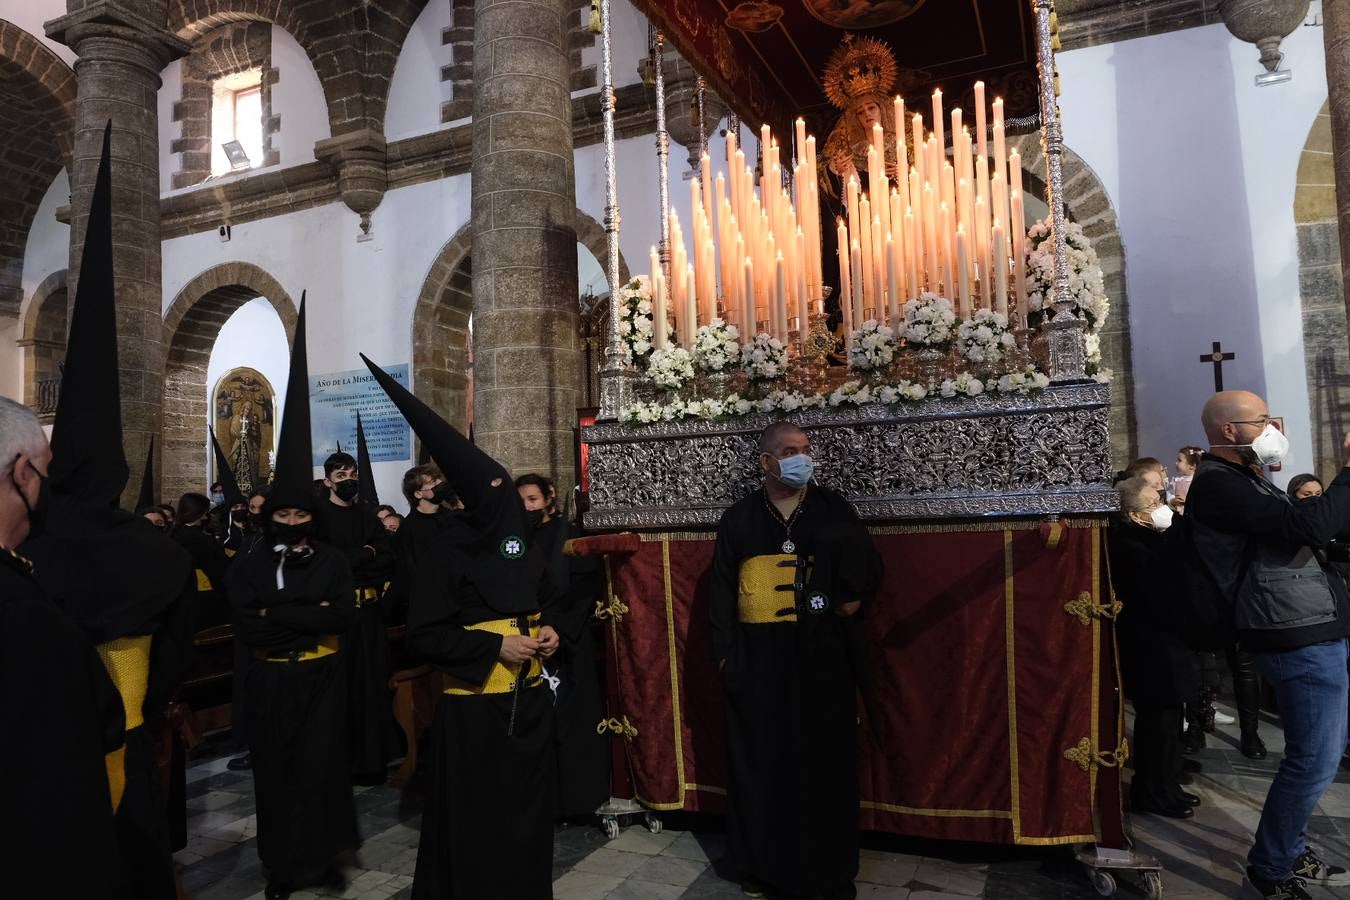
859,67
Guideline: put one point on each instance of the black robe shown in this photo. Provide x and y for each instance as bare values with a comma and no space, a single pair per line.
791,691
583,753
487,828
209,560
117,576
359,535
297,711
416,540
63,715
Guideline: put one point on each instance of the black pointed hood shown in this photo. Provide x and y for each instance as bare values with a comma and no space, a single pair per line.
507,574
224,473
146,497
88,460
369,496
293,475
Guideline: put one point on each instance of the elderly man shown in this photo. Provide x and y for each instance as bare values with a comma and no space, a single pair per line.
1264,554
54,690
790,571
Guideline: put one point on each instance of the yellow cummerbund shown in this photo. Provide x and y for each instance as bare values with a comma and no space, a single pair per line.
128,663
366,595
203,582
758,602
502,678
328,645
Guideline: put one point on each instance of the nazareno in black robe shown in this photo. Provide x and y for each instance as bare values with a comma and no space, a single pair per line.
355,532
583,753
62,716
792,699
487,828
297,711
117,576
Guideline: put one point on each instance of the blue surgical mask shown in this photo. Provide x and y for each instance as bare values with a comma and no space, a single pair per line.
795,471
217,498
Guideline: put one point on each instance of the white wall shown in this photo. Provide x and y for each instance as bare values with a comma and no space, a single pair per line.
416,90
1200,165
628,45
170,92
298,98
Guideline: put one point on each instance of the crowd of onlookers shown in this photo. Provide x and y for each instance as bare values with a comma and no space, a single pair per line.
1217,568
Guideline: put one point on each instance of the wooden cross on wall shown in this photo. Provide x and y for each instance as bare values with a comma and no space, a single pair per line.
1218,358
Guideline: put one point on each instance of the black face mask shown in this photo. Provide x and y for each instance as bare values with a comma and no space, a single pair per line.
257,520
535,517
443,493
283,533
37,513
239,516
346,491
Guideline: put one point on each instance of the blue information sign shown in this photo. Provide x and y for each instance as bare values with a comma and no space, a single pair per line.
335,398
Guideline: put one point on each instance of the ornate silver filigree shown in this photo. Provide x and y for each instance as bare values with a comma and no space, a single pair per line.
989,455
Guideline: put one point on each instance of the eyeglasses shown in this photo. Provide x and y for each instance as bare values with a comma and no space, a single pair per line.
1263,421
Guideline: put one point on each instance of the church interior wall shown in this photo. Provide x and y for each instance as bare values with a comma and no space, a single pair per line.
48,247
414,104
30,16
1200,166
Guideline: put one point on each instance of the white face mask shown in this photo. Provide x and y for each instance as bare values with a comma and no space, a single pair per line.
1162,518
1271,446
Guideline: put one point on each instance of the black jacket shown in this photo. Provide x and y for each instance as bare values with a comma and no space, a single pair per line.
1156,663
1263,552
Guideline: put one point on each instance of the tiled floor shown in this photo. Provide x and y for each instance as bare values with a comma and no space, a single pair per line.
1202,858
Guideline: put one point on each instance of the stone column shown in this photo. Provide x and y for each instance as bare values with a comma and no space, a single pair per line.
1336,40
526,360
122,48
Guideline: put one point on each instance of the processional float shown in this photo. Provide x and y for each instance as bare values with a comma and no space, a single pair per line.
882,290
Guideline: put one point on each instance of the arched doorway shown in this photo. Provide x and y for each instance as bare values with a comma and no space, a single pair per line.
1326,352
43,340
1088,204
441,329
191,326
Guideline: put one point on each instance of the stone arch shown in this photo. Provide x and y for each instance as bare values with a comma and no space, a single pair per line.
1326,350
43,339
1089,205
440,326
37,125
355,76
191,325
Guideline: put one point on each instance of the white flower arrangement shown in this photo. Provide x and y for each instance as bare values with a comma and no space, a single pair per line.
635,320
670,367
764,358
856,393
984,339
873,346
716,347
1087,288
930,321
1103,375
963,385
1028,381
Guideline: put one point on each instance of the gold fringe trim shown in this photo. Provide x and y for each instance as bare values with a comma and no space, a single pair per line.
624,728
1084,609
1031,524
1085,756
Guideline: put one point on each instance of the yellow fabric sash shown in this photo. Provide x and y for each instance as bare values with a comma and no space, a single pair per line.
502,678
128,663
758,602
328,645
203,582
366,595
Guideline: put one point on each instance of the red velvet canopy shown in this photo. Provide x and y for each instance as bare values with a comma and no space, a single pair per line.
765,57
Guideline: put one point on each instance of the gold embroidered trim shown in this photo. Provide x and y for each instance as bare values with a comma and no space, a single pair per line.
1085,756
1031,524
624,728
616,609
1083,609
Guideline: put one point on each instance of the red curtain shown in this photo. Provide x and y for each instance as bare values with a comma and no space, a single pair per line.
992,655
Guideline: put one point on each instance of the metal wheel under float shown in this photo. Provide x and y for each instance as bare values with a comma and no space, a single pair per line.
1106,868
611,826
653,823
1103,882
1153,887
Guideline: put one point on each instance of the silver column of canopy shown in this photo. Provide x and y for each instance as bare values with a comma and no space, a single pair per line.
1064,332
656,45
616,378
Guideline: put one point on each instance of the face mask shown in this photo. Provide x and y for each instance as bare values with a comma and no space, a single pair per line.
795,471
1270,448
347,490
257,520
535,517
239,516
37,513
442,493
290,534
217,499
1162,518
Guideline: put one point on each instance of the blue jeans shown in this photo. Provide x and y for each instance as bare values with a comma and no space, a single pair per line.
1310,684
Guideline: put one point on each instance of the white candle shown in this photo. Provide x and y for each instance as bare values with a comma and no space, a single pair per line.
748,314
845,282
892,281
912,243
689,315
864,237
962,276
801,310
854,313
780,299
1018,229
1000,269
939,125
920,164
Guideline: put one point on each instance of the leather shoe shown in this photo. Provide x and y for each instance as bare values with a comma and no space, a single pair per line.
240,763
1253,747
1169,810
1188,798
